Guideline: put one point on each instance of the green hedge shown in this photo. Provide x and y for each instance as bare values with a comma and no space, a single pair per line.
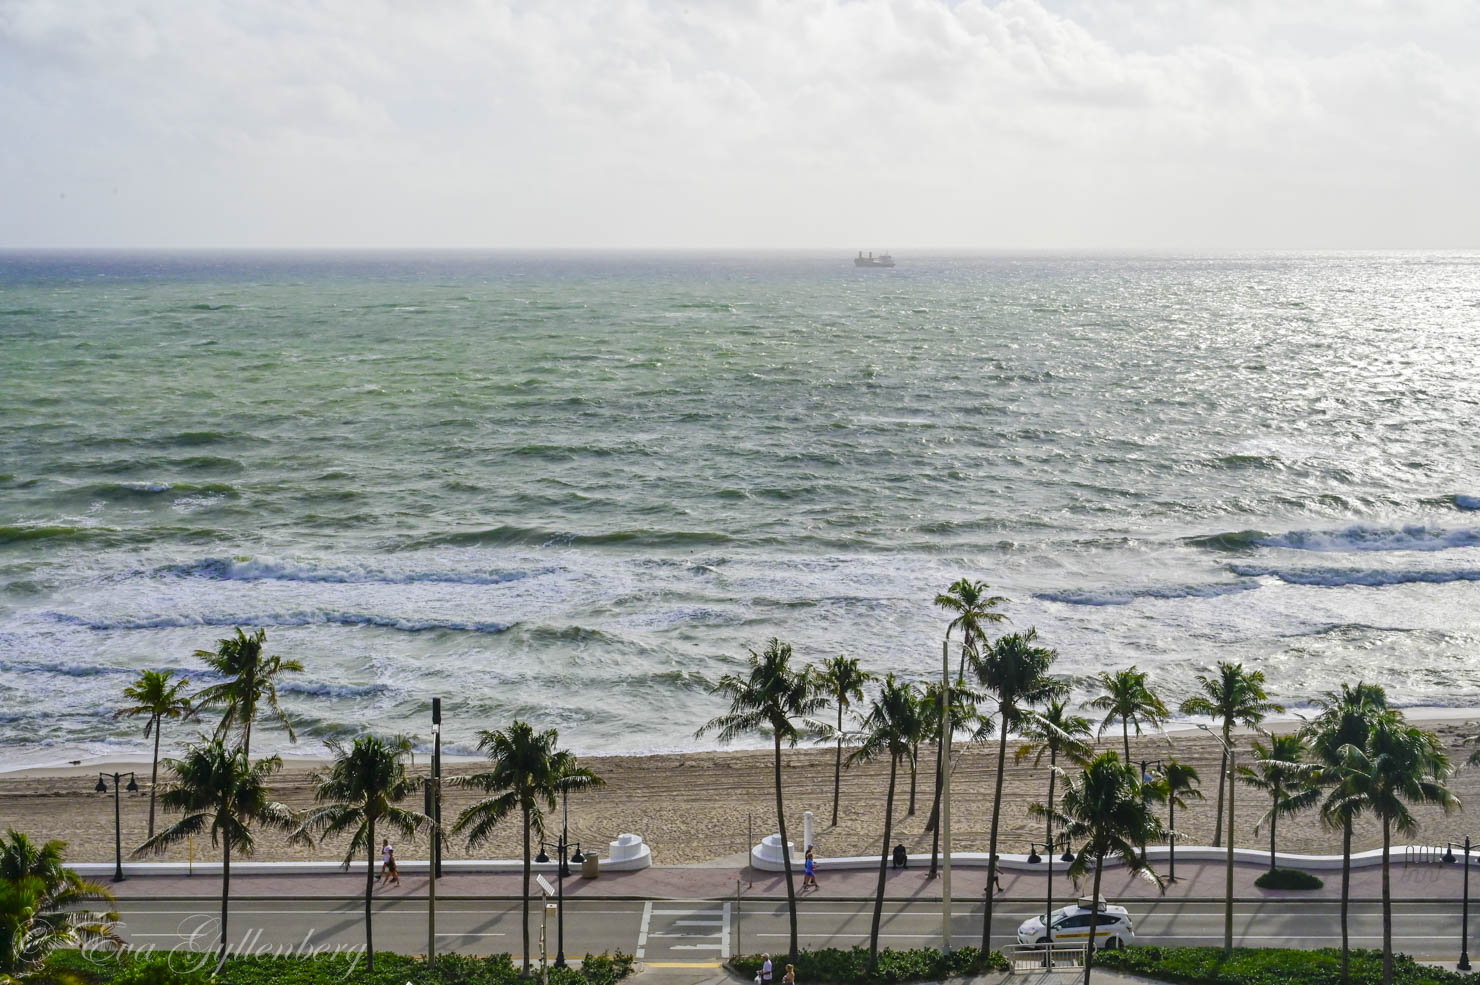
1269,966
390,969
834,966
1288,879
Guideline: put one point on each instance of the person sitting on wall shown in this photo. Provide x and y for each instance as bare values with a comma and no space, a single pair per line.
901,857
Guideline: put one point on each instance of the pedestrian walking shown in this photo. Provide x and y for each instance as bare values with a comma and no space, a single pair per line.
385,860
766,970
809,871
790,978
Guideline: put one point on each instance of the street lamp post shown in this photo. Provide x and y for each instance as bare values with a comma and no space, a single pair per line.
1228,882
1049,847
1464,925
560,873
1146,766
102,787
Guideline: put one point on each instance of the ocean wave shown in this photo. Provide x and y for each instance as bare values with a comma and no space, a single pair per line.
117,490
308,617
1366,577
1358,537
1125,596
251,569
23,533
1464,502
509,535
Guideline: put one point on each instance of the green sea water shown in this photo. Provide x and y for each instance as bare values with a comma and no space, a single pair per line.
575,488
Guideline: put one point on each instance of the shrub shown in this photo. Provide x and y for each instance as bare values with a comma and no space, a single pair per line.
1269,966
1288,879
834,966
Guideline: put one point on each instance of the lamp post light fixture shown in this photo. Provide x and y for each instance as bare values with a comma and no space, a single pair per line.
1228,883
1049,847
102,787
1464,924
560,847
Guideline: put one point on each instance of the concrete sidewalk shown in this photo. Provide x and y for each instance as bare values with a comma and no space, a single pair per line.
1195,881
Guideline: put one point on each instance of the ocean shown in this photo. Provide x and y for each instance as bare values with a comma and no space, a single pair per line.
574,488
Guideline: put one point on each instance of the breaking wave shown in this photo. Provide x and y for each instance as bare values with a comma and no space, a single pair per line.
251,569
1125,596
1359,537
1335,577
313,617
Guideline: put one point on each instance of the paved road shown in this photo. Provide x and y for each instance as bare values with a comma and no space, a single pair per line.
700,933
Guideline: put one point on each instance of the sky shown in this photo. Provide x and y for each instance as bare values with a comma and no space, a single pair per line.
749,124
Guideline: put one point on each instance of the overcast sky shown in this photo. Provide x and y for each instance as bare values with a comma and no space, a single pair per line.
755,123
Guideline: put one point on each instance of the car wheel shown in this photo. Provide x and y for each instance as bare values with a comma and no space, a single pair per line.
1042,940
1112,944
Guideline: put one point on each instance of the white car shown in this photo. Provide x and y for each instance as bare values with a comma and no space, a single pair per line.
1070,925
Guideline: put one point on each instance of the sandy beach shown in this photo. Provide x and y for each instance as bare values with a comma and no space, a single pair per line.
696,807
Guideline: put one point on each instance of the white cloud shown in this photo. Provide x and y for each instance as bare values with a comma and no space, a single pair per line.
750,123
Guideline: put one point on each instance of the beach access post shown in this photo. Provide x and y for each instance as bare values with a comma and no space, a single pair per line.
437,785
807,831
945,796
1464,921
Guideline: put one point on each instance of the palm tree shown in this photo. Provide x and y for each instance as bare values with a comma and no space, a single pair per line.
1278,771
251,680
893,727
1014,672
42,906
156,695
1056,732
1103,808
1232,697
219,790
1176,787
767,701
1402,764
971,608
528,772
1128,696
1345,719
362,788
843,681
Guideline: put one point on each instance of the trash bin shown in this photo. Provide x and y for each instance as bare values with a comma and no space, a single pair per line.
590,865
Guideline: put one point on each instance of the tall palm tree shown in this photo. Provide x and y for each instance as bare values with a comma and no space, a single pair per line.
1056,732
1233,696
1128,697
971,609
251,681
1345,719
218,790
1402,764
362,789
528,771
1176,787
892,728
1014,673
843,680
768,701
1279,772
43,906
155,694
1103,809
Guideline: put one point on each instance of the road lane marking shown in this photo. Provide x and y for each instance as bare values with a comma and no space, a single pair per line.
699,923
725,934
642,930
694,947
683,964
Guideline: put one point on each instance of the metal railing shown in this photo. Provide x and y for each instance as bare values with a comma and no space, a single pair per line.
1040,957
1422,854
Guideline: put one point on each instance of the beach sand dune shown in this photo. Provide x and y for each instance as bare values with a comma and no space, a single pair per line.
694,807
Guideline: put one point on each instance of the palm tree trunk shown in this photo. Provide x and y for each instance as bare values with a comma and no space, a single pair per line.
525,972
369,891
914,758
838,766
154,775
873,934
791,889
1125,736
933,824
1222,771
225,894
1387,905
1346,882
1094,919
1273,820
992,843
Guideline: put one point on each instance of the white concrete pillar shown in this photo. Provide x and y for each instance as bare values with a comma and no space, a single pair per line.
806,830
